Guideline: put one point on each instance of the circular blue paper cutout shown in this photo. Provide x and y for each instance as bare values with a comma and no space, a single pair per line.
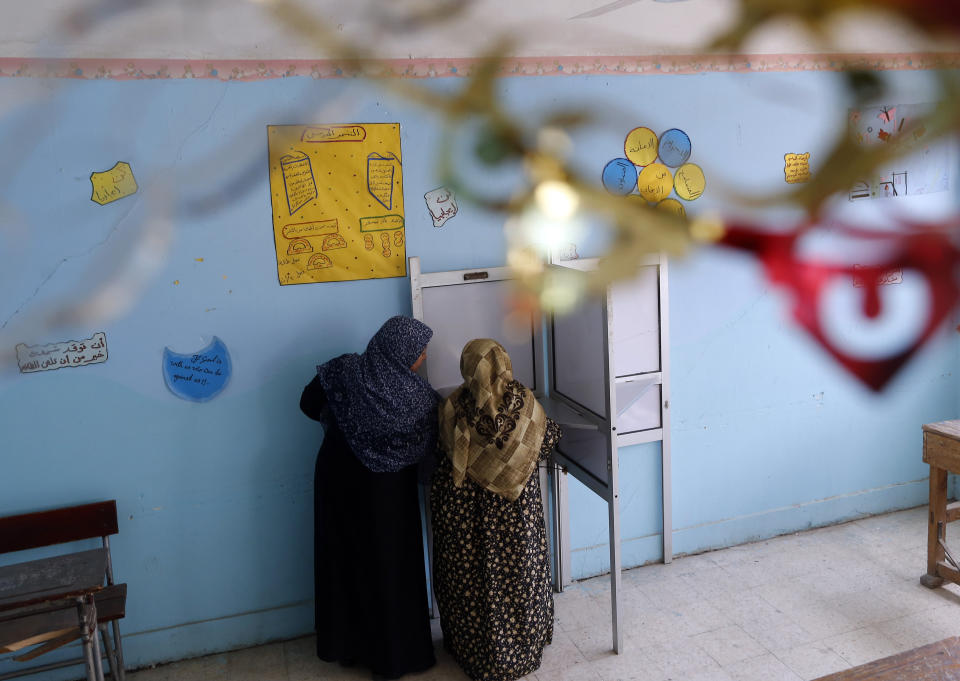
674,147
620,176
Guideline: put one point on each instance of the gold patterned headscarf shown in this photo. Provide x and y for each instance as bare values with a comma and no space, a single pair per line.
491,427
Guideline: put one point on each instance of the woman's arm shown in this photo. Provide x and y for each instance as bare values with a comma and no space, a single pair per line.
313,401
550,438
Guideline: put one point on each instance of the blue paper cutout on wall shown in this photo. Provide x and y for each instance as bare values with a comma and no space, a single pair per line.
620,176
674,148
198,376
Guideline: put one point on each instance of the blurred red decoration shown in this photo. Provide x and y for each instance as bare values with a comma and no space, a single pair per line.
924,251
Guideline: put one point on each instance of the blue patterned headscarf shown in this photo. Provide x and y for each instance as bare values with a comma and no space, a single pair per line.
387,413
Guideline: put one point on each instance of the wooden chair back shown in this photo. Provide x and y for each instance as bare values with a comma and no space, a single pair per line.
58,526
61,526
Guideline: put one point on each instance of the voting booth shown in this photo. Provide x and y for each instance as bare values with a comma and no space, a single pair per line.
600,371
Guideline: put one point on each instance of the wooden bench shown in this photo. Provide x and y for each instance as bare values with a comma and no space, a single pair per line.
941,449
49,624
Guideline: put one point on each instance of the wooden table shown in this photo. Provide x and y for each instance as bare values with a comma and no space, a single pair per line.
941,449
935,662
54,596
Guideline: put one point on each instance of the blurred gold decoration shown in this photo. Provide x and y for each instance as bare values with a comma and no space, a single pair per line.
553,200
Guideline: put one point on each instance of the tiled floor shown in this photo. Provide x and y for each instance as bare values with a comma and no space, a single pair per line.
794,607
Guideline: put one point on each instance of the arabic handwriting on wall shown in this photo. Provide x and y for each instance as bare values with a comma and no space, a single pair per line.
655,182
674,148
60,355
689,182
796,168
375,223
308,229
442,204
298,180
619,176
334,133
111,185
641,146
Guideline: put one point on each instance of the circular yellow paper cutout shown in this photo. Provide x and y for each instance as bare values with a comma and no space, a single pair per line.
689,181
641,146
655,182
673,206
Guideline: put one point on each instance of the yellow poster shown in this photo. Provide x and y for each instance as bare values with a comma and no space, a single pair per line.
337,197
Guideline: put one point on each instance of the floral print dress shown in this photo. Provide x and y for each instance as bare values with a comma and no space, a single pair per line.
491,573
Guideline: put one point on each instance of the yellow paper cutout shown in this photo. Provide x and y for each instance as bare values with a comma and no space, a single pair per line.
796,167
331,186
113,184
689,181
380,173
641,146
673,206
655,182
299,183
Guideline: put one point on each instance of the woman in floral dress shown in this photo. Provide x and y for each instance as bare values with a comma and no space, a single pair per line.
491,571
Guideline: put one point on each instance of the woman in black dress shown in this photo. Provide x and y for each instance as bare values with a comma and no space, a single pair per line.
491,574
380,419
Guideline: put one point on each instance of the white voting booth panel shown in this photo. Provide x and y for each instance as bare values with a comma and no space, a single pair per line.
609,360
606,357
459,312
637,314
580,358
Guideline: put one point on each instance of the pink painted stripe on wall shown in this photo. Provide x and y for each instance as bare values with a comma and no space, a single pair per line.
252,69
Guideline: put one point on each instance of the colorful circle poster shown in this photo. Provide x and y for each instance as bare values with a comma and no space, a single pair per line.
655,182
674,148
620,176
654,168
689,182
641,146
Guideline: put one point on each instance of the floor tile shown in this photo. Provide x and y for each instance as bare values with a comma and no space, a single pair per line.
679,659
577,609
863,645
560,654
729,644
813,660
763,668
593,643
669,591
912,631
629,665
820,619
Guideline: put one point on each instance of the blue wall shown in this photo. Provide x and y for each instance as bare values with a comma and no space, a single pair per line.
769,436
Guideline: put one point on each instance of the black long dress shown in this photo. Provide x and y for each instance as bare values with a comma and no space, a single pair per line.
491,573
371,593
